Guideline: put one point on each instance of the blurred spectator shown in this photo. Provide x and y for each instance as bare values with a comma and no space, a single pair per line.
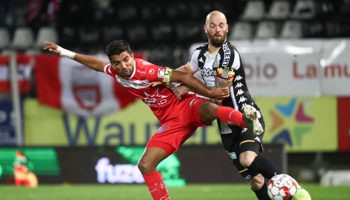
8,16
21,172
41,13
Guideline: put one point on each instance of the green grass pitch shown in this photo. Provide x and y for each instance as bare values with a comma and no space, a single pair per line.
140,192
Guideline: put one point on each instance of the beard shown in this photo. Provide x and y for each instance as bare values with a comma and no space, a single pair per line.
217,42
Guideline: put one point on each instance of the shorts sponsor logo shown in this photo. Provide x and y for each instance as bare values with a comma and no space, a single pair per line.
162,129
247,178
232,155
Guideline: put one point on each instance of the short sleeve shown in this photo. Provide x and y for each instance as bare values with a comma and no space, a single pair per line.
193,64
237,61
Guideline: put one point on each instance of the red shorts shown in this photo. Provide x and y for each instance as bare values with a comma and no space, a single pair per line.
184,122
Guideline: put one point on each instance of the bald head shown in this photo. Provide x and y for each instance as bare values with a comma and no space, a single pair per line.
217,15
216,28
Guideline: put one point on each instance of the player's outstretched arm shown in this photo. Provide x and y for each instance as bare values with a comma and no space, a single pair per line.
197,86
88,61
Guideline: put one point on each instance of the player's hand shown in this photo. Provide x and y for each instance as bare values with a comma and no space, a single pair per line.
155,83
220,93
52,47
218,101
181,90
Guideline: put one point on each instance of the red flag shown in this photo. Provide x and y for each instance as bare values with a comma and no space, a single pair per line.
24,71
63,83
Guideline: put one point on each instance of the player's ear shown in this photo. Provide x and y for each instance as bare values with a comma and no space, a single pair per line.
205,29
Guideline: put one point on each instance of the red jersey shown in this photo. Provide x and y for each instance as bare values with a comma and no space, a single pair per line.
158,98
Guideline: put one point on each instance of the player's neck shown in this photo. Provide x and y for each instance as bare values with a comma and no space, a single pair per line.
213,49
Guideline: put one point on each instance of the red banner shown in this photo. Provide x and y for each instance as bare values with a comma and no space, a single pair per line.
24,71
344,124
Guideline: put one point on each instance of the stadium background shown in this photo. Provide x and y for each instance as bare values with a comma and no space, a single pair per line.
306,112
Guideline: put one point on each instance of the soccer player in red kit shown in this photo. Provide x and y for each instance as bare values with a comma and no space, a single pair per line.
179,119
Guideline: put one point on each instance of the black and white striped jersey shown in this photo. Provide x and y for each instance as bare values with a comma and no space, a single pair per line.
226,56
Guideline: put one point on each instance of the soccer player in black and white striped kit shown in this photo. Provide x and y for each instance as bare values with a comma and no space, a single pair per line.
220,65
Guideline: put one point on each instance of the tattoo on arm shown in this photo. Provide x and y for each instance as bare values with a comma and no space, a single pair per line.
221,83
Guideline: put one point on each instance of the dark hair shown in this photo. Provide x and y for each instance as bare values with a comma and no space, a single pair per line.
116,47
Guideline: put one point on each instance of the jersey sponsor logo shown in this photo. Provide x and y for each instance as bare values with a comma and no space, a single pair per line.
155,99
151,71
136,84
207,72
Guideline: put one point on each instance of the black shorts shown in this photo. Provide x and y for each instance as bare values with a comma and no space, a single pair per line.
241,140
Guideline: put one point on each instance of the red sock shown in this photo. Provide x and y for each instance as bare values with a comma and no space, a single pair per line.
231,116
156,186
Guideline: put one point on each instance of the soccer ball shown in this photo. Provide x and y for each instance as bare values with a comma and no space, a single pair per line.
282,187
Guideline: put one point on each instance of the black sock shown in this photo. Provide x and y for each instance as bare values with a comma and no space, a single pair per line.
263,166
262,193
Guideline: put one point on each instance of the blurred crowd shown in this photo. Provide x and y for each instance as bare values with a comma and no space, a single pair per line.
166,29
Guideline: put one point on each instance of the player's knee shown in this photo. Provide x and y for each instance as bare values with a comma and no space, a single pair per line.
257,182
145,167
208,111
246,158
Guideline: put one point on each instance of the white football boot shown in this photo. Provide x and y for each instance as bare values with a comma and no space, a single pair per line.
251,120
